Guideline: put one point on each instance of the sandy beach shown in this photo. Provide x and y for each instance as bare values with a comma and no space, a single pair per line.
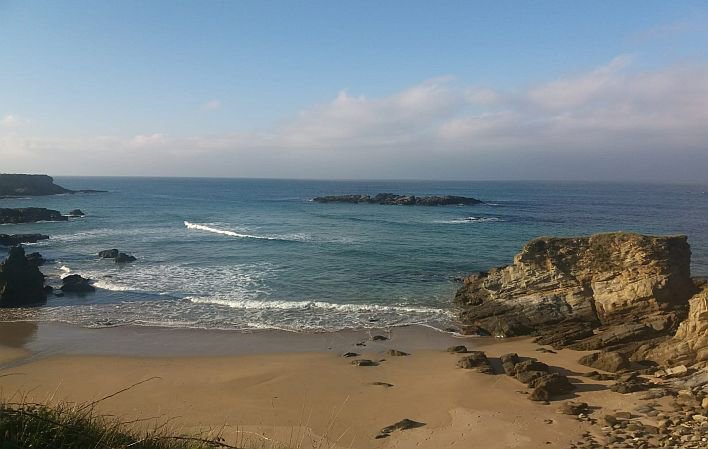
296,388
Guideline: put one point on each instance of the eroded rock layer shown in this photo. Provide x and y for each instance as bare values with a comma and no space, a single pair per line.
606,291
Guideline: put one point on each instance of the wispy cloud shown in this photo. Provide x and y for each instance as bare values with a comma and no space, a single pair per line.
10,121
611,121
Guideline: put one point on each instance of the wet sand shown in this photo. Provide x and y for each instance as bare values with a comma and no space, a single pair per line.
296,387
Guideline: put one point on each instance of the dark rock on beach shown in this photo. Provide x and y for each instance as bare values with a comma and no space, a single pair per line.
606,361
21,282
399,200
364,362
75,283
476,360
457,349
404,424
29,215
13,185
17,239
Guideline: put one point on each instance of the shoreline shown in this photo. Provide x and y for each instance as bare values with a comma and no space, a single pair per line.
275,383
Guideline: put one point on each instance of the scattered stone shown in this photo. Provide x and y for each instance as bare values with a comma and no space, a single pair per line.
350,354
509,362
573,408
404,424
75,283
396,353
459,349
546,351
600,376
379,338
382,384
364,362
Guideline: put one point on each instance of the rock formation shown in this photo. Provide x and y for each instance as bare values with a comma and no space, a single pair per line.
16,239
32,185
399,200
29,215
613,291
75,283
690,343
116,255
21,282
76,213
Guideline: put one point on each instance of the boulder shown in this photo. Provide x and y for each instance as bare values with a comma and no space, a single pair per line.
404,424
364,362
476,360
108,253
17,239
584,292
124,258
21,282
76,213
549,386
509,362
29,215
606,361
573,408
75,283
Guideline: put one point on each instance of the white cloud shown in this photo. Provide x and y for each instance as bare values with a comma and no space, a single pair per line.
559,129
10,121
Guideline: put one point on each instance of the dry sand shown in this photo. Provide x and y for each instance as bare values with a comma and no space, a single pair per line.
271,384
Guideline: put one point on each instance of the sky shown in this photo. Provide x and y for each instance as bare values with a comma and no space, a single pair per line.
464,90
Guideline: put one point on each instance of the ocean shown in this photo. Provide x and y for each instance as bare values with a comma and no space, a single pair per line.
252,254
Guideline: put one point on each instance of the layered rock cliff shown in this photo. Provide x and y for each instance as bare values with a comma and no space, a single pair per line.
608,291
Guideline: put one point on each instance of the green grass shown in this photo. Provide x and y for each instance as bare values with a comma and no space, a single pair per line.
70,426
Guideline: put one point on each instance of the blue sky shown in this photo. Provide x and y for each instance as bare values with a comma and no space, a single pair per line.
298,89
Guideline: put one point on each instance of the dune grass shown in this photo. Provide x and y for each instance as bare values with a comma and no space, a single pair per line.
70,426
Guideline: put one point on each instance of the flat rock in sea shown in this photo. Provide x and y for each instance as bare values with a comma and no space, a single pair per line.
75,283
400,200
17,239
29,215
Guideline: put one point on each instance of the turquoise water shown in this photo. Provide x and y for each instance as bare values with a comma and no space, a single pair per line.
251,254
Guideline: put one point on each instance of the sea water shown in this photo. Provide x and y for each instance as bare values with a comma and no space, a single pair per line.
260,254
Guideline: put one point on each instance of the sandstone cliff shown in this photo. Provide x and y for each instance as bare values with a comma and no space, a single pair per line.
619,291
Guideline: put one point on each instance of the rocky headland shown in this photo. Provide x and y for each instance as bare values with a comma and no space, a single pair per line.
14,185
17,239
399,200
627,293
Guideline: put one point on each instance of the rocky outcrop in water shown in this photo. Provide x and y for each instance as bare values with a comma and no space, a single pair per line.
29,215
75,283
116,255
17,239
76,213
399,200
21,282
32,185
613,291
